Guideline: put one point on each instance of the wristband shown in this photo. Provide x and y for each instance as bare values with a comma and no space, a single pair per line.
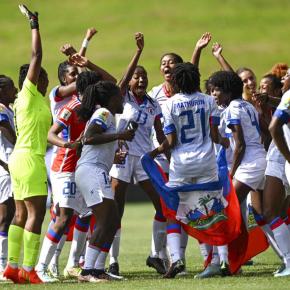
85,43
34,21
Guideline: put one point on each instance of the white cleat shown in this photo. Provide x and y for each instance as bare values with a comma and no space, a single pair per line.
285,272
53,270
46,278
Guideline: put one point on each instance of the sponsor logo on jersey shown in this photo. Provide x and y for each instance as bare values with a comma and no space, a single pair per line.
65,114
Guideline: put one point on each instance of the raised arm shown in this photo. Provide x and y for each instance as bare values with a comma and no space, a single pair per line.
36,57
217,53
89,34
82,62
200,45
124,82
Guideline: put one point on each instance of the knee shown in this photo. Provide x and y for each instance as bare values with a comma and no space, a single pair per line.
62,221
20,217
269,214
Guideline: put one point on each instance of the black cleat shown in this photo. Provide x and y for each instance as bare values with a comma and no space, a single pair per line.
114,269
225,269
157,264
175,268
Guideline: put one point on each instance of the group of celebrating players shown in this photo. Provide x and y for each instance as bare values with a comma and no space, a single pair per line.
95,158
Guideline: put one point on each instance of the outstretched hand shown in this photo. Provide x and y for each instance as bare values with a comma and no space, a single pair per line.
203,41
90,33
78,60
68,49
139,37
32,17
216,49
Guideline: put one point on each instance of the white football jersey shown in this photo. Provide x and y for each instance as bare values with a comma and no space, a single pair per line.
190,117
145,115
6,148
100,155
56,103
283,113
241,112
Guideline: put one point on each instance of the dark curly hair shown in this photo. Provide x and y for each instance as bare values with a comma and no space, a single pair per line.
61,71
177,58
85,79
23,73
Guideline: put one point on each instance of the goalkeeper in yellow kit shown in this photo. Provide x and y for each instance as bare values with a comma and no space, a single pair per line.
26,164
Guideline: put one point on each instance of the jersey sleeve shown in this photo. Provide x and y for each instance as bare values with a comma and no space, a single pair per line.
64,117
233,115
3,114
214,118
158,111
53,95
169,126
283,110
102,118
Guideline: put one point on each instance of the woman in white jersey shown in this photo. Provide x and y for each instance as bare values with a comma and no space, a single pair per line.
92,173
191,122
280,131
140,108
7,142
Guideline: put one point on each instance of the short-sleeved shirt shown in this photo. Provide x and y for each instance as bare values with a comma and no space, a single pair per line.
283,113
6,148
66,158
56,102
144,114
32,119
100,155
190,117
241,112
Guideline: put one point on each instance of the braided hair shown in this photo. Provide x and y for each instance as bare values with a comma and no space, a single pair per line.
100,94
186,78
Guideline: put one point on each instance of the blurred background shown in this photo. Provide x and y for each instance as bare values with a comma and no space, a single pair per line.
253,33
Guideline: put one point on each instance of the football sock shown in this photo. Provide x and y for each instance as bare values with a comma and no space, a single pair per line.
101,260
3,250
31,243
15,239
173,241
158,234
115,247
91,257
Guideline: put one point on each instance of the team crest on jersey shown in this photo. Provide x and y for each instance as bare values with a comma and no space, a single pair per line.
65,114
104,116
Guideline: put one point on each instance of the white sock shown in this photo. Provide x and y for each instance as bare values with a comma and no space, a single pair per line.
78,242
282,237
47,250
158,237
271,239
215,256
55,258
101,261
115,247
173,242
205,250
183,243
91,257
3,250
223,253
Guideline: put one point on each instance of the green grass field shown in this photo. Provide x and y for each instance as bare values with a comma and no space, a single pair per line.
135,246
253,32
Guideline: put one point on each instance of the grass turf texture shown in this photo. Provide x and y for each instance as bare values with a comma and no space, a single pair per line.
135,246
252,32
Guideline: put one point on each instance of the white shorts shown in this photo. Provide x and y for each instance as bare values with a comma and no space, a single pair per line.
277,169
94,184
5,188
252,174
65,192
132,168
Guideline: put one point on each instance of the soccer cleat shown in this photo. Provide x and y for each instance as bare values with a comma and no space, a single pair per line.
211,270
114,269
249,263
2,278
53,270
175,268
88,276
157,264
115,277
46,278
11,273
225,269
280,269
284,273
28,277
102,275
71,273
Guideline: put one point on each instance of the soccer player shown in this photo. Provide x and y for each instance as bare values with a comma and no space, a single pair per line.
66,195
191,125
140,108
281,137
92,173
7,142
26,163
